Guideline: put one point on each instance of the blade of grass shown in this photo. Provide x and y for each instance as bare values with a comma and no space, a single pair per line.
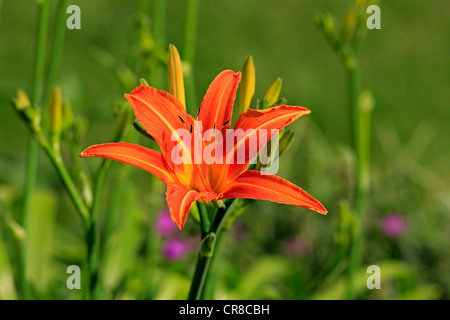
33,148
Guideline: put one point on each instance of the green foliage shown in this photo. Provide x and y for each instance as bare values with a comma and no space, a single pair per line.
405,67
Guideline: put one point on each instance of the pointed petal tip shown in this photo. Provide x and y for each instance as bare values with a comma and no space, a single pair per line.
88,151
84,153
231,72
320,209
137,90
300,108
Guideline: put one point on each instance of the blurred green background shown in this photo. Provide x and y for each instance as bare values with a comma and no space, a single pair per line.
405,65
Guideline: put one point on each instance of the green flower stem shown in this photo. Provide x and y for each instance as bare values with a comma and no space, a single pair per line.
348,52
66,179
93,232
354,86
208,251
190,30
152,69
57,44
201,270
38,78
221,234
361,144
80,207
93,291
204,220
208,287
356,246
33,148
188,53
159,20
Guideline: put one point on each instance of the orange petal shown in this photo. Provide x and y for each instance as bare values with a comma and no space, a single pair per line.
255,120
217,105
180,200
135,155
161,114
253,185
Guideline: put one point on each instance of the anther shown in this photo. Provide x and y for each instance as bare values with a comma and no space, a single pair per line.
225,123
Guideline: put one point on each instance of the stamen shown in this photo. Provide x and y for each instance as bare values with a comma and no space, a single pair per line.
225,123
181,119
190,131
198,111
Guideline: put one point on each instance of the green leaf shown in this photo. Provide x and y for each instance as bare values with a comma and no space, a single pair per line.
257,279
390,271
124,235
7,289
40,227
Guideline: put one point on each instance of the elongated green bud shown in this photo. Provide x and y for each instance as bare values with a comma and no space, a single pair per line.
273,92
55,114
268,154
143,82
194,213
286,141
67,118
247,90
176,81
139,127
349,24
207,245
326,23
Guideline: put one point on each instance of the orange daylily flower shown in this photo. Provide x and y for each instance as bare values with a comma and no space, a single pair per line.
162,114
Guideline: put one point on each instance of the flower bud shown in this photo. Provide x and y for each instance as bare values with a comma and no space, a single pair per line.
349,24
143,82
207,245
194,213
67,118
286,141
176,81
262,104
123,116
269,154
326,23
273,92
27,112
247,84
21,100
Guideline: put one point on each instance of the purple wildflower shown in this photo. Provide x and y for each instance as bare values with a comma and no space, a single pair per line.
295,247
175,249
394,224
164,225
